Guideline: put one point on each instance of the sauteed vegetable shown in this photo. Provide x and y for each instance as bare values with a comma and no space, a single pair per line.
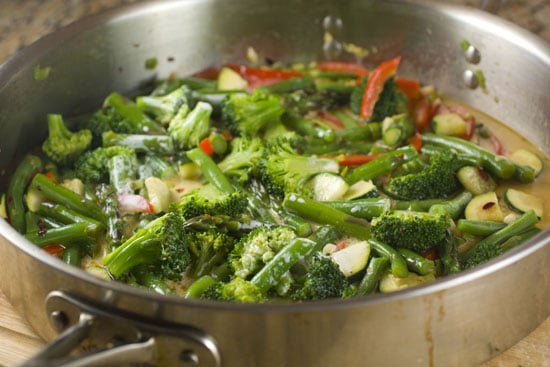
295,183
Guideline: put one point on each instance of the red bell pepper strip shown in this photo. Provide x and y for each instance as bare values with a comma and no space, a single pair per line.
354,160
51,176
497,145
422,112
208,73
332,120
430,254
410,87
343,67
206,146
263,76
375,85
54,250
416,141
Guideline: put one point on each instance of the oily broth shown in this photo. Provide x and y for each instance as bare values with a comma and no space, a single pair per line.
512,141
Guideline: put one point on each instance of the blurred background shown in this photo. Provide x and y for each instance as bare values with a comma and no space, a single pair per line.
24,21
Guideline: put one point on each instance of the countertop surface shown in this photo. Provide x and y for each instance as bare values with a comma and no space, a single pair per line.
23,22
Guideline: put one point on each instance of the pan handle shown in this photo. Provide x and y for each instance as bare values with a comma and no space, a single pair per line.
94,336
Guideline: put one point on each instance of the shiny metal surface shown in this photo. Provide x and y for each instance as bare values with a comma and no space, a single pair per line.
457,321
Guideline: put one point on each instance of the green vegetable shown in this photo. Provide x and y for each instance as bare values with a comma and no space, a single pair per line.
63,146
416,231
15,202
494,244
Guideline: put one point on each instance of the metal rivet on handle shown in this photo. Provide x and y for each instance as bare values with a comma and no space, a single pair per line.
189,358
59,320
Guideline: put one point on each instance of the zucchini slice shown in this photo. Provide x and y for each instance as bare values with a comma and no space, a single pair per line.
523,202
328,186
361,189
527,158
484,207
449,124
476,180
353,258
229,79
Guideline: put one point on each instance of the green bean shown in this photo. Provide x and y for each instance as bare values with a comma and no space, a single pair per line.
210,170
453,207
72,255
65,215
500,166
375,271
63,235
362,208
15,202
417,263
62,195
282,262
479,227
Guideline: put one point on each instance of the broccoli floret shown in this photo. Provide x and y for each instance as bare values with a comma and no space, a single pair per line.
237,290
256,248
415,231
436,181
391,101
121,116
323,280
164,108
247,114
208,249
63,146
209,200
282,170
92,166
163,242
187,129
243,158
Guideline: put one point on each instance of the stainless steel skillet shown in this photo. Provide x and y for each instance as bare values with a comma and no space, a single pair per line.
456,321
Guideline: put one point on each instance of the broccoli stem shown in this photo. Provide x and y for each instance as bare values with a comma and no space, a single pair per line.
141,143
61,195
65,215
453,207
525,222
479,227
197,288
353,226
417,263
132,113
64,235
142,248
15,202
500,166
375,271
362,208
149,280
210,170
